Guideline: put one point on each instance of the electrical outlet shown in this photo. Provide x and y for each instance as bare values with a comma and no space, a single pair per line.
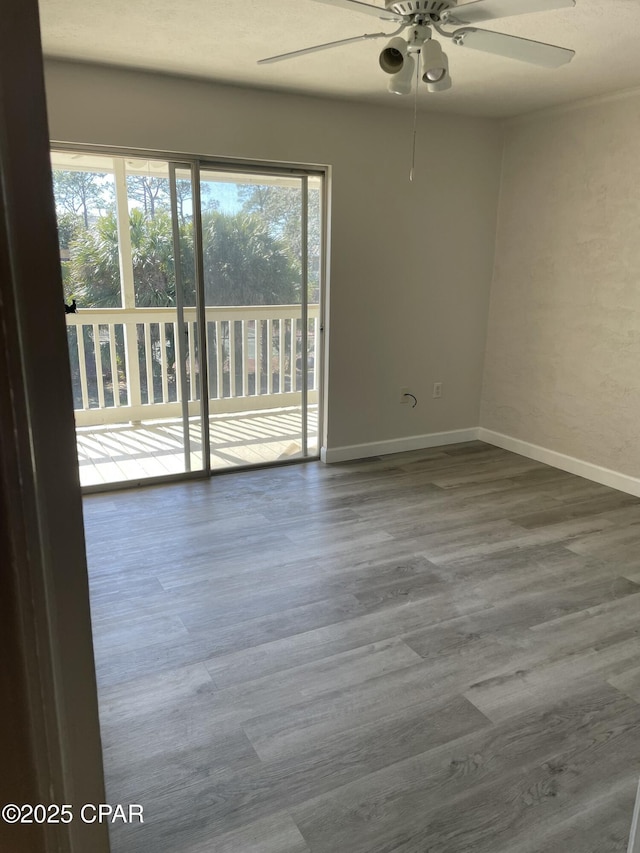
437,389
404,399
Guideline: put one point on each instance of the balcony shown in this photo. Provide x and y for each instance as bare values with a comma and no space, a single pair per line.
131,375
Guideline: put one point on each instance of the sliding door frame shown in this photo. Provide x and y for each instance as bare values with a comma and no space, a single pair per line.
304,264
255,169
179,344
197,163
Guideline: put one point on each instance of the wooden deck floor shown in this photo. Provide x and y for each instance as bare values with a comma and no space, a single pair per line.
435,651
124,452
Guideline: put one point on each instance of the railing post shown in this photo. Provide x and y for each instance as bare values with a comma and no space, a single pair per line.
132,363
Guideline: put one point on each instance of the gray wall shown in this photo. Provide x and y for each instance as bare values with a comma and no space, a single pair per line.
411,263
563,353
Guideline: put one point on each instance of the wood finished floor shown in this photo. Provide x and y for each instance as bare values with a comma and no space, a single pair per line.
431,652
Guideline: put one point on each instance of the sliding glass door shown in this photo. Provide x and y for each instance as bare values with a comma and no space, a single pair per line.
194,317
261,267
127,255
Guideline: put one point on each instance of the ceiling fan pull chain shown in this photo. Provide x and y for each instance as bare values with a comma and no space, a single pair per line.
415,123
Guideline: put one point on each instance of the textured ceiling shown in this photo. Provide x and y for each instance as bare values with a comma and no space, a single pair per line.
222,39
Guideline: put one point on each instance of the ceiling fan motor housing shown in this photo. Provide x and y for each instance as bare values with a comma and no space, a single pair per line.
419,7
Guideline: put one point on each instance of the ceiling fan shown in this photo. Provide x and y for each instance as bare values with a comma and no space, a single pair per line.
418,18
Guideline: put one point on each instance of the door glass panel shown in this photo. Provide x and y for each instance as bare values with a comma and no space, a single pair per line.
256,335
126,346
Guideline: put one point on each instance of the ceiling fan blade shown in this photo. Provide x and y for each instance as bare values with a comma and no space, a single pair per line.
512,47
489,10
357,6
316,47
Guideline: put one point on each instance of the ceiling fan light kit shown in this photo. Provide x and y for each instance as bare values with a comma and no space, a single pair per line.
435,65
401,82
443,83
418,19
392,58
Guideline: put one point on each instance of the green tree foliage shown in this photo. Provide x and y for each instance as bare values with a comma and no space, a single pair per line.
153,195
280,208
243,263
85,194
94,271
68,226
150,193
81,198
152,254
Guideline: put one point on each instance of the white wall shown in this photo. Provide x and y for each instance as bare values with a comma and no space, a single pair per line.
411,264
563,352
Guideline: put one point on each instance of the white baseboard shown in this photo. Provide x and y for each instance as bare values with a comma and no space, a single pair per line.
596,473
605,476
397,445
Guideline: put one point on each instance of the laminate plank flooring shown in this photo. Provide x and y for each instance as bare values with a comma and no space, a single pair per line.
430,652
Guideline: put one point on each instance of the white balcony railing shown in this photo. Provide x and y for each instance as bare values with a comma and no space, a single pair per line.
125,362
